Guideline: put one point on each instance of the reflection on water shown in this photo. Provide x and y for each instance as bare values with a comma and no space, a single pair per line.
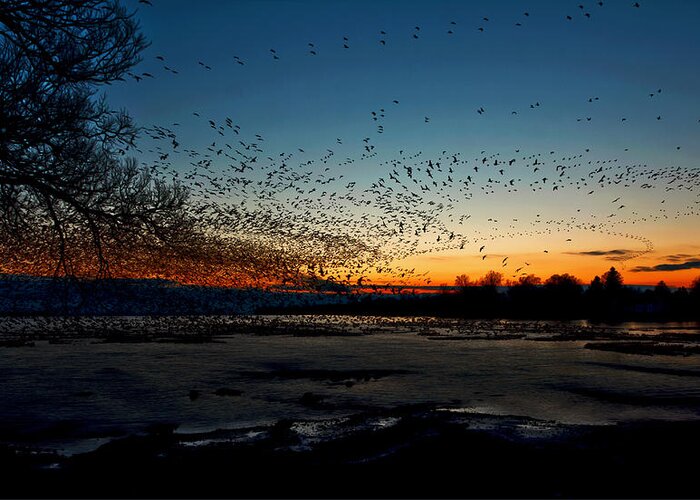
645,328
54,393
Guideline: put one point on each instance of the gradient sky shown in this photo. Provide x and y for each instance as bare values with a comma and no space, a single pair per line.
620,55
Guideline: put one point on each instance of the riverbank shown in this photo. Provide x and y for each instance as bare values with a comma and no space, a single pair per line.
405,452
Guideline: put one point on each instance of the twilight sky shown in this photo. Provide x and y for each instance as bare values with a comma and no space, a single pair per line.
571,154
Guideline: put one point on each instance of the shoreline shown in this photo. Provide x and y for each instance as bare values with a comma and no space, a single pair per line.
410,452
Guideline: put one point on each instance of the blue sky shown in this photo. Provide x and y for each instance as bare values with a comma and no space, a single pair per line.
619,55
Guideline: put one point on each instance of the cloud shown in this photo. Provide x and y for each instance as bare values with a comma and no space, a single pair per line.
679,257
691,264
614,255
602,252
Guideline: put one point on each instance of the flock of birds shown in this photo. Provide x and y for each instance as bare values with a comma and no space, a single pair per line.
24,331
312,48
327,225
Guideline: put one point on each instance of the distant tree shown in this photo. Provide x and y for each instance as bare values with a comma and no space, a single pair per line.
525,296
529,280
595,297
662,290
463,281
612,280
563,288
562,281
491,279
596,285
67,194
563,295
695,287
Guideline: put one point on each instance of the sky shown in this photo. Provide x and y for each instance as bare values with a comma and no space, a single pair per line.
615,90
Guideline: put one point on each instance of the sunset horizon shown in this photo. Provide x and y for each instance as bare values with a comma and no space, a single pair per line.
349,248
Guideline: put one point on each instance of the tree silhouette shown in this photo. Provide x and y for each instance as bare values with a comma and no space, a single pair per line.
563,287
69,197
662,290
525,296
596,286
612,280
463,281
491,279
563,294
529,280
695,287
562,281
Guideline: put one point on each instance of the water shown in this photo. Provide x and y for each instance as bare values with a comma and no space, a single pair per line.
72,397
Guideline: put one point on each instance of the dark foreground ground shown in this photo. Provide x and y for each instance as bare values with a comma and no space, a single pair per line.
426,453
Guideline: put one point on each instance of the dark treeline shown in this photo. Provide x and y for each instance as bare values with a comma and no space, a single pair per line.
559,297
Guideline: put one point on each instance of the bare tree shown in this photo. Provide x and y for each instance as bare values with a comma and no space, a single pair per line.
69,197
491,279
463,281
529,280
562,281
